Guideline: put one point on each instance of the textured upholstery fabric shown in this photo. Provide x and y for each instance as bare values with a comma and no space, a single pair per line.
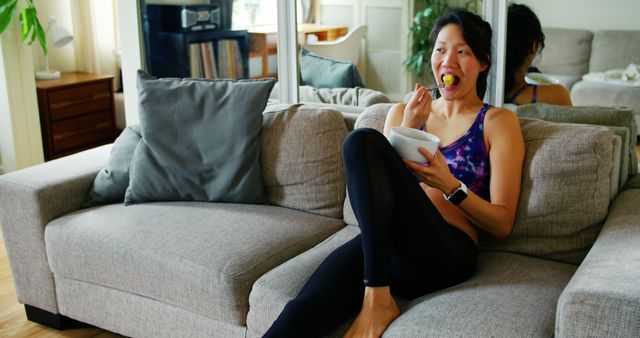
320,72
272,291
566,51
614,49
565,191
134,315
603,297
605,116
509,296
29,199
203,257
359,97
199,140
301,157
589,93
112,181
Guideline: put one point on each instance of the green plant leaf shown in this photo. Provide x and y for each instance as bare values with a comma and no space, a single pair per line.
8,10
42,37
25,24
29,18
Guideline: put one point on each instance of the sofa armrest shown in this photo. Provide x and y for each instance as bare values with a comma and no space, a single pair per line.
29,199
603,297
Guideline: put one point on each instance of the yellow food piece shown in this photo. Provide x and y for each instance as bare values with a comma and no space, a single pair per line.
448,79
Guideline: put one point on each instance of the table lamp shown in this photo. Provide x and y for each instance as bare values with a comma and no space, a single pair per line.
60,37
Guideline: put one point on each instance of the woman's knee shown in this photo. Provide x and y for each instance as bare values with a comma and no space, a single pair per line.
360,139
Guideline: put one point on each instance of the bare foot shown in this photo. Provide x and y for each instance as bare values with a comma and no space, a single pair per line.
379,309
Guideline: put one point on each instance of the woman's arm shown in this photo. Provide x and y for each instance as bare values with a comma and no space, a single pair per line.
413,115
506,155
554,94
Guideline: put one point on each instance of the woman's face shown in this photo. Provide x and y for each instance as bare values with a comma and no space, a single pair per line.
453,56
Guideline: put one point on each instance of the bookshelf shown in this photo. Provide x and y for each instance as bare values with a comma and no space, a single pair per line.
171,53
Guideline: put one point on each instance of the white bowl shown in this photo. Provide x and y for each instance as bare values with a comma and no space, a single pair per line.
407,140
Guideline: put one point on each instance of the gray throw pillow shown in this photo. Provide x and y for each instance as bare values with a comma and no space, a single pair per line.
112,181
321,72
199,140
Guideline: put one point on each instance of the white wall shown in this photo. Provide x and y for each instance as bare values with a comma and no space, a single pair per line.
587,14
62,59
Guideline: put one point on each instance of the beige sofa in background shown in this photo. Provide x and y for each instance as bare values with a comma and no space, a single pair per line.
569,54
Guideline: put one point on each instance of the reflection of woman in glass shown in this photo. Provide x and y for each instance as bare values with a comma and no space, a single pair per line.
419,238
525,40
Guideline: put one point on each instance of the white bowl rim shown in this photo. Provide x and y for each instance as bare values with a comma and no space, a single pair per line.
398,131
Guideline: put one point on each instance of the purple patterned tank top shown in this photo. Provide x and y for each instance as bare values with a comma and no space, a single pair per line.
468,157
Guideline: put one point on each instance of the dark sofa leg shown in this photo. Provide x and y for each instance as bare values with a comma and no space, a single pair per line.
52,320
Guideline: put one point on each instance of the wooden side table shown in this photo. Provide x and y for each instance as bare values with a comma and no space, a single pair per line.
264,40
76,113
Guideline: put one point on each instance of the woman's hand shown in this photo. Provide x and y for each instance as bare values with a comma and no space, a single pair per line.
417,110
436,174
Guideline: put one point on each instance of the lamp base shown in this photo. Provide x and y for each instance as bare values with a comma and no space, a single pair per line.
48,75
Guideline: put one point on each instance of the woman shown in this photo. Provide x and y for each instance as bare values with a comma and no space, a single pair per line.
525,40
419,237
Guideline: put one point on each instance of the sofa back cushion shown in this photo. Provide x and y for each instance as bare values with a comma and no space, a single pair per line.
301,157
614,49
565,191
620,119
357,97
566,51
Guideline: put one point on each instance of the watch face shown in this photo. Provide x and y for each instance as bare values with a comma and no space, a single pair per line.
458,197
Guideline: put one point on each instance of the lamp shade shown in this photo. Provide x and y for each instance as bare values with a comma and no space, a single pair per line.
59,36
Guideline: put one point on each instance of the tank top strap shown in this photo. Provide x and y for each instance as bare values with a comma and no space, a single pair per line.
534,96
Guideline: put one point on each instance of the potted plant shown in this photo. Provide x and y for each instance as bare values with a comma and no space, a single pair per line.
28,16
418,59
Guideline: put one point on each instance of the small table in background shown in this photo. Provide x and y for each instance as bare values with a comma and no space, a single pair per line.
264,40
76,113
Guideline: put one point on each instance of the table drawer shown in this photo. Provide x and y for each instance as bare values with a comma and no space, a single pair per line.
82,130
74,101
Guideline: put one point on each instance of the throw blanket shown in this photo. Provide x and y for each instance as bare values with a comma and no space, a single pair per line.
629,76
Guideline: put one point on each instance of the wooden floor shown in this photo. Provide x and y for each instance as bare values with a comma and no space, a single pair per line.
14,323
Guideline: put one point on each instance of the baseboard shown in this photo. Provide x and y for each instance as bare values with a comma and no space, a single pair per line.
52,320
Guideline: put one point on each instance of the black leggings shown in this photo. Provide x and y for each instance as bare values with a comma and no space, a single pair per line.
404,243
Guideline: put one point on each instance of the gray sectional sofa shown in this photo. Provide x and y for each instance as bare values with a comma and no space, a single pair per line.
571,53
188,269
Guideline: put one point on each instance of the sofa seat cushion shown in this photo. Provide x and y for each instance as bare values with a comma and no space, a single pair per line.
201,257
509,296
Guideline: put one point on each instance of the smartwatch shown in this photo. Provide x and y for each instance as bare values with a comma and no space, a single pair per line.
458,195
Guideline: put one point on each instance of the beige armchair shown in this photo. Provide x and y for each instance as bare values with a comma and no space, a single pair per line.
346,48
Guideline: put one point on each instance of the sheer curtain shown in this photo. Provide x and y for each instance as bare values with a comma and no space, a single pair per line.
308,10
96,36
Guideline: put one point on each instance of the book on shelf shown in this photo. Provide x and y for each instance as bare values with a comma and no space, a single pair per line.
230,65
195,60
202,60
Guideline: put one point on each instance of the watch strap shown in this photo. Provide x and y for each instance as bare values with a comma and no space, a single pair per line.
458,195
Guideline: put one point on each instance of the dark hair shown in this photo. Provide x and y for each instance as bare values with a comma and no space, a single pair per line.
523,30
476,33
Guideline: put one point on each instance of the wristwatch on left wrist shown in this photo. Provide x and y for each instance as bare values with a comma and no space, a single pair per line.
458,195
